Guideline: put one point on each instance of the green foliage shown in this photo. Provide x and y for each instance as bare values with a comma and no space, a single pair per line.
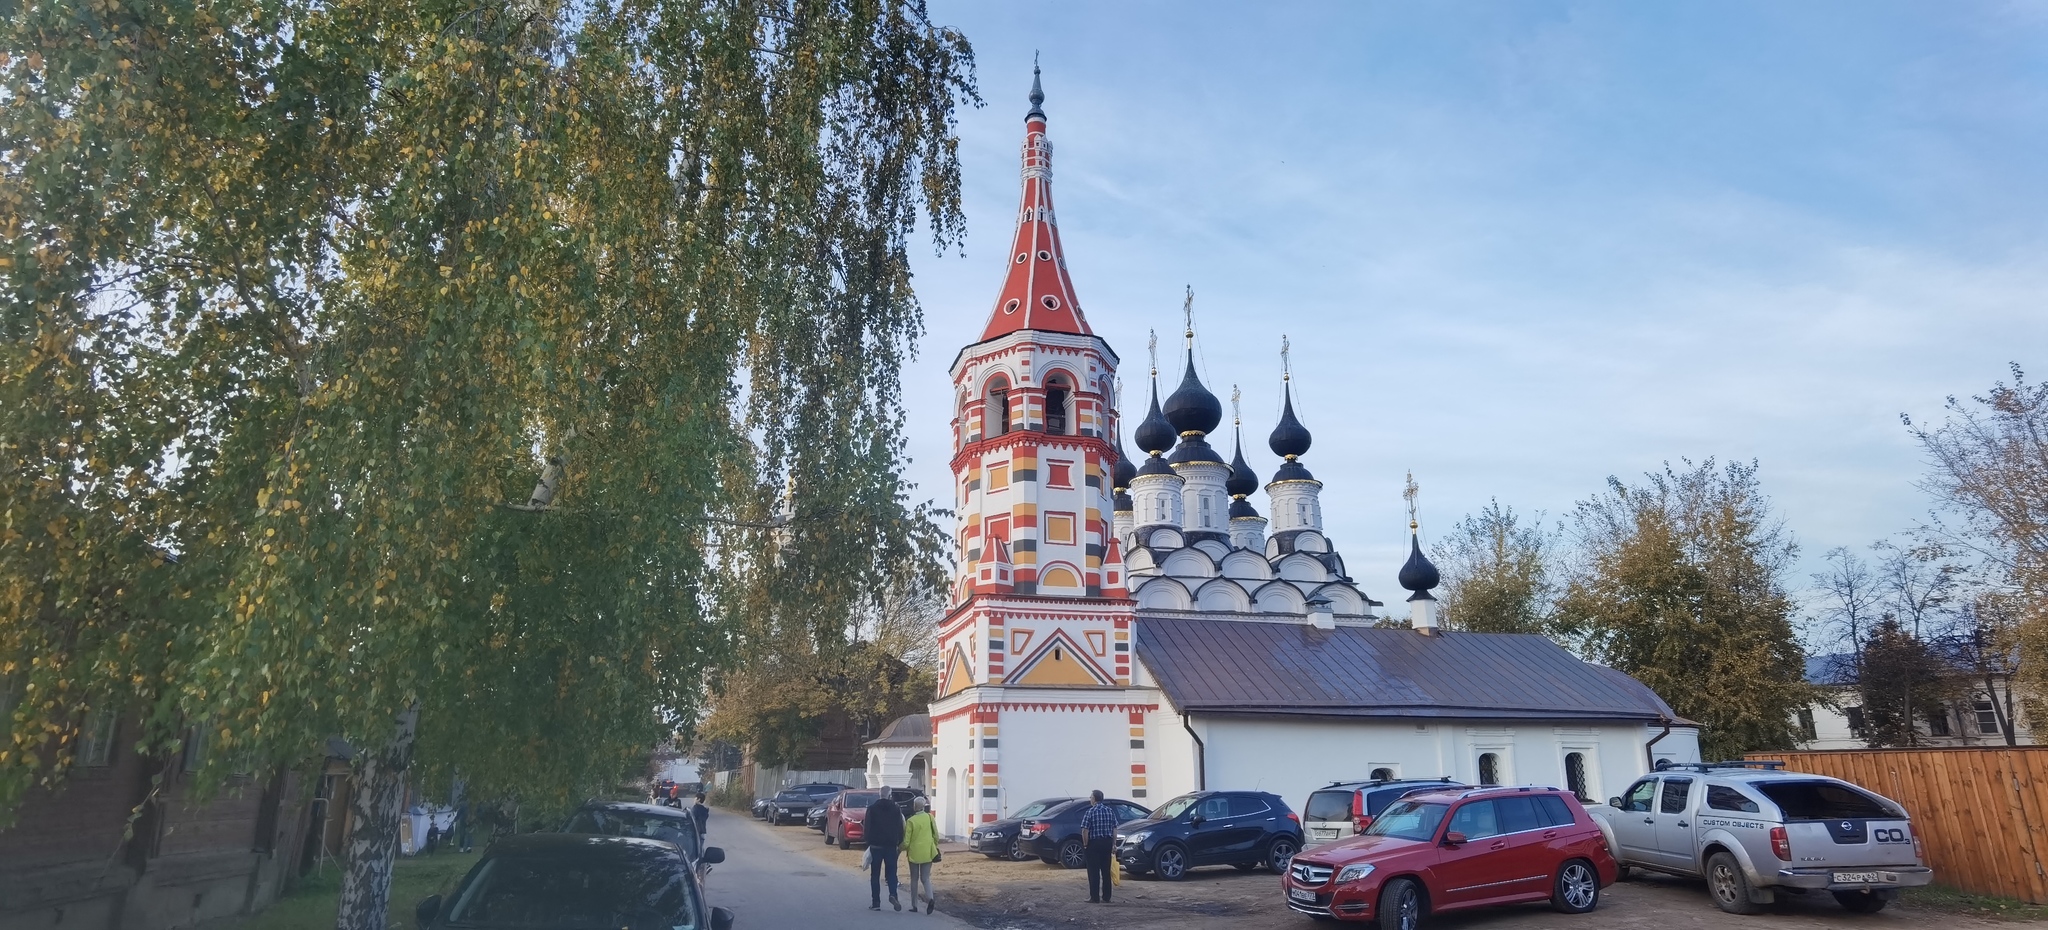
1901,680
1683,590
1498,572
302,297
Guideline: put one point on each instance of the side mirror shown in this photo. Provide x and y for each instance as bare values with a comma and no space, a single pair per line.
428,908
1454,839
1196,820
1614,802
713,855
721,919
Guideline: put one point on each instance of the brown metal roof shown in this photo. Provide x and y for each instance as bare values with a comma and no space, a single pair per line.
1293,669
912,730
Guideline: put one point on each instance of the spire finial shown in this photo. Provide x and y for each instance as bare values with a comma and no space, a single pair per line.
1286,366
1152,346
1187,315
1236,410
1410,493
1037,92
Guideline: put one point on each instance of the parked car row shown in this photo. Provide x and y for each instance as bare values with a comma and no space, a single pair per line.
613,864
1396,852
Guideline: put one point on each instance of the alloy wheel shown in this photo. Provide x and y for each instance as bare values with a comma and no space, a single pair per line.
1581,889
1017,852
1073,854
1723,880
1172,863
1279,854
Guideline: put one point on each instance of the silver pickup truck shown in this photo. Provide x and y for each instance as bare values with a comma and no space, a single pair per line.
1751,829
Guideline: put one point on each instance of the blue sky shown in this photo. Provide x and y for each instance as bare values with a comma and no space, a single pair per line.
1520,247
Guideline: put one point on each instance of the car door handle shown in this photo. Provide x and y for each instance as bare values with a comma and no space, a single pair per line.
1503,844
1684,824
1649,820
1550,834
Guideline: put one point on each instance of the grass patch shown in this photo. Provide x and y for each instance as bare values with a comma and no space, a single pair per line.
311,905
1957,901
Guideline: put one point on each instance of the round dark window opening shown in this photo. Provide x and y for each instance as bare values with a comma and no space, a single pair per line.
1011,307
1050,302
1044,255
1021,256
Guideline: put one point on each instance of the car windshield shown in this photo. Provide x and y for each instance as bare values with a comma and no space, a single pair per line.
1175,807
862,799
1038,807
1324,806
792,796
1408,820
574,894
680,830
1821,800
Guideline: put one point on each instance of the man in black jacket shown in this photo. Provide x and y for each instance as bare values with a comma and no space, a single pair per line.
882,828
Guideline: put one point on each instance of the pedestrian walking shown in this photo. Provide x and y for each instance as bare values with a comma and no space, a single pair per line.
921,849
702,814
883,829
1098,825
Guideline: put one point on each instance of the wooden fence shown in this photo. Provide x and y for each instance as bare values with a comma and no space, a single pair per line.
1982,814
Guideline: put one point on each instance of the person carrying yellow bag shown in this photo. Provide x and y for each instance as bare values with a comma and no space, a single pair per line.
921,847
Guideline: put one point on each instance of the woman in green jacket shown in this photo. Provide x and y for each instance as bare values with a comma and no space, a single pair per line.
921,847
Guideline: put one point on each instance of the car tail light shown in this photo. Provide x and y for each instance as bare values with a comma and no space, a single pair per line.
1029,829
1781,845
1294,817
1919,852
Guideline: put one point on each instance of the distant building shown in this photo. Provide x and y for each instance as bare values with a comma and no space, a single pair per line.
1979,720
902,756
1145,630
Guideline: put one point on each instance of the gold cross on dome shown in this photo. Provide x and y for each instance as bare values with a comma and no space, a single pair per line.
1236,410
1410,493
1187,315
1286,366
1152,346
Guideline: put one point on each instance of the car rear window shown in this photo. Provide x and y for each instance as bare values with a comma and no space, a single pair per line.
1325,806
1821,800
1555,811
862,799
1036,808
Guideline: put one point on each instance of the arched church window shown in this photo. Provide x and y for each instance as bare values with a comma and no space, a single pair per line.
1301,513
1058,391
996,411
1205,511
1382,774
1489,768
1575,775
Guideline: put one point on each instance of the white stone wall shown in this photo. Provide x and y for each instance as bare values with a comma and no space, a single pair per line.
1064,752
1204,505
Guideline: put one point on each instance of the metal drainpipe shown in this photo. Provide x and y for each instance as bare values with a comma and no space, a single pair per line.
1650,748
1201,756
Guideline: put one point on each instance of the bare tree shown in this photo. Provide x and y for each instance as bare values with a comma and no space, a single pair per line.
1850,600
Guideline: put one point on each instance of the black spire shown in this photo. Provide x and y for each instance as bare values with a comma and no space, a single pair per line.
1155,435
1241,481
1417,575
1191,408
1037,93
1125,468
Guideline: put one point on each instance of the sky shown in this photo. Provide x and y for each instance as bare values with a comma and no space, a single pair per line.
1521,247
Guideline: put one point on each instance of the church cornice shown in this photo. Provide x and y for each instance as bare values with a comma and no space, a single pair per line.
1025,339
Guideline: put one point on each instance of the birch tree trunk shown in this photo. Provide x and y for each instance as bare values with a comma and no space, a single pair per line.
374,808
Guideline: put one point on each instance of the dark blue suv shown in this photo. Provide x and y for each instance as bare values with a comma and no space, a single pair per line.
1247,829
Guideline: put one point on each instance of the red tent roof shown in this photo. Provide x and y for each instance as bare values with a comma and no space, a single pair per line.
1037,293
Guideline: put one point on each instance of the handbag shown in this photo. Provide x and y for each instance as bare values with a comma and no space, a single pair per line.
938,854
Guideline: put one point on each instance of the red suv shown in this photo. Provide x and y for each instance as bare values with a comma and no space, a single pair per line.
1453,848
848,808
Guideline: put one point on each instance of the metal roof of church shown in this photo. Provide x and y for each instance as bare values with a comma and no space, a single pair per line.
1292,669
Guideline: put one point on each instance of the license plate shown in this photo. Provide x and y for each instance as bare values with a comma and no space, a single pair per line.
1326,833
974,845
1866,878
1297,894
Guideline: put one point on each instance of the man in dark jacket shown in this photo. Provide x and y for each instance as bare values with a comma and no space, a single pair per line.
700,813
882,828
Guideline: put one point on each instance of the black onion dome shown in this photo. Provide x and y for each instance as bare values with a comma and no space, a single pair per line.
1125,470
1155,465
1242,508
1155,435
1289,438
1417,574
1192,450
1037,97
1241,481
1123,502
1191,408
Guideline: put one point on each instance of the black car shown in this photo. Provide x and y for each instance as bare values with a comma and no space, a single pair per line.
1055,835
999,840
578,880
816,818
795,803
1247,829
645,821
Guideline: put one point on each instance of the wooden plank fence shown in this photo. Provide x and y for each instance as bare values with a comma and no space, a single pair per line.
1982,813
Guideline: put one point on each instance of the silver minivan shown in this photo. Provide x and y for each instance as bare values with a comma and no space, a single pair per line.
1750,828
1346,808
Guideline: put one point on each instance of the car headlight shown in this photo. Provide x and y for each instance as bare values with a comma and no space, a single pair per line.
1138,837
1352,873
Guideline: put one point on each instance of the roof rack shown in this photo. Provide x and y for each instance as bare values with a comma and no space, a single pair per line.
1768,765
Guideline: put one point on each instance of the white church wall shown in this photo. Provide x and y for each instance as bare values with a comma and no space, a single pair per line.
1062,751
1293,758
950,802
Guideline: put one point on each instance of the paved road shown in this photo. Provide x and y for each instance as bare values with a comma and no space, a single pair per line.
772,883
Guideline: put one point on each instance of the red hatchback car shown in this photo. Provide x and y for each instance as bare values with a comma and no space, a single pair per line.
1457,848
